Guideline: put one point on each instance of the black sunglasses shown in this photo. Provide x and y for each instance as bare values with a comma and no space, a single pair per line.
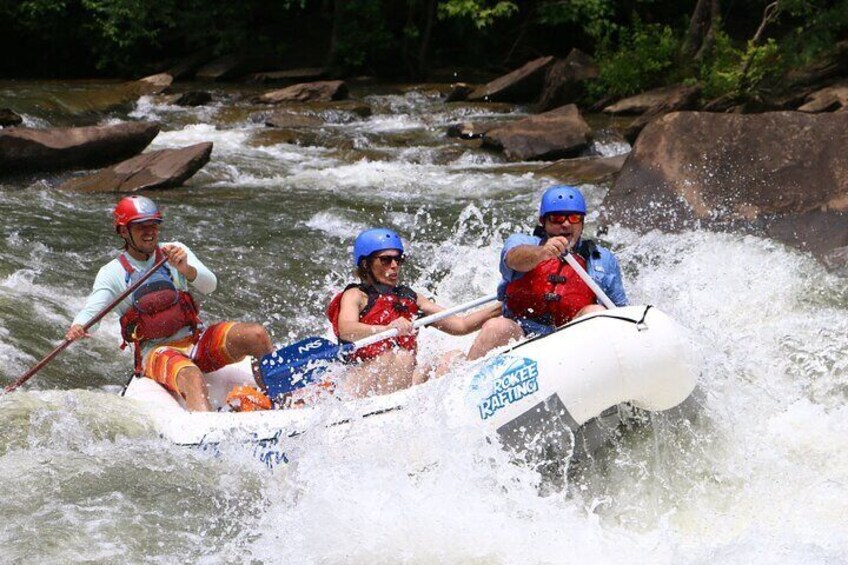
386,260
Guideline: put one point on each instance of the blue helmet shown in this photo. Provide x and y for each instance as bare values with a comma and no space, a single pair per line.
562,198
373,240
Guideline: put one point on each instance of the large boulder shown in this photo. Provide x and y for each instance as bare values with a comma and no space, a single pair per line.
565,80
644,101
522,85
679,98
321,91
829,99
584,169
552,135
780,174
165,168
33,150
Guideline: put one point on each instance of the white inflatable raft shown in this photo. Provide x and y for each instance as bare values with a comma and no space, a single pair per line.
545,388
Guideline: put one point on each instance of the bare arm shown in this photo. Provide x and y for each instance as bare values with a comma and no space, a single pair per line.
524,258
351,329
459,325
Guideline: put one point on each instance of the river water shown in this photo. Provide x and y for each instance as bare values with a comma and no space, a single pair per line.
760,475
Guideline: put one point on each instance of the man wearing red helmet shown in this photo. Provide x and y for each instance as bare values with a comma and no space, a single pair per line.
160,319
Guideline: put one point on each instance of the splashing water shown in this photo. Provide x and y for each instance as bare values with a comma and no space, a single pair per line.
760,474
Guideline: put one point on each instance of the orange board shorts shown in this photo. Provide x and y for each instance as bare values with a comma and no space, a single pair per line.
164,362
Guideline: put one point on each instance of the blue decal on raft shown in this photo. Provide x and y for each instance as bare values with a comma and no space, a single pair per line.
503,380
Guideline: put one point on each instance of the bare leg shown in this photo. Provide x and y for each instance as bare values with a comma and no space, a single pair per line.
438,369
494,333
390,372
192,385
248,339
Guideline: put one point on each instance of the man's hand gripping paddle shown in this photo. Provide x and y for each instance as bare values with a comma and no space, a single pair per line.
130,289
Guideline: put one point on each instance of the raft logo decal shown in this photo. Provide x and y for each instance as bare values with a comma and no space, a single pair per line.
504,380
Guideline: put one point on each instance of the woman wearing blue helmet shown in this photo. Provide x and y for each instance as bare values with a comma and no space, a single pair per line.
540,290
380,302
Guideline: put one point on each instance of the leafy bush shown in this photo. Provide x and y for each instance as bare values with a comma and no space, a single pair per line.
641,58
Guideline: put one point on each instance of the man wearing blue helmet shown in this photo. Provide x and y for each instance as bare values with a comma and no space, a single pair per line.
540,291
380,302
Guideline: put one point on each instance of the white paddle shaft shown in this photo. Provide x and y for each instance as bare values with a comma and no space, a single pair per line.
426,320
581,272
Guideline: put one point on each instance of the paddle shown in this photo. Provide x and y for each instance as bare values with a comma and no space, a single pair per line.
581,272
26,376
294,366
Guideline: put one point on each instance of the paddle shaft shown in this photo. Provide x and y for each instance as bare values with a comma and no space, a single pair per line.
581,272
426,320
26,376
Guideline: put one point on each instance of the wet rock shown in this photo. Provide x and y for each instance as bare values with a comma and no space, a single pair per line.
565,80
165,168
828,99
351,107
559,133
9,118
314,114
644,102
520,86
836,261
224,68
322,91
585,169
154,84
187,66
291,120
302,136
113,97
290,76
459,92
193,98
32,150
469,130
680,98
779,174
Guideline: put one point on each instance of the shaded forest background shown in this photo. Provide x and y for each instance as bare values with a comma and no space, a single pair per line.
732,47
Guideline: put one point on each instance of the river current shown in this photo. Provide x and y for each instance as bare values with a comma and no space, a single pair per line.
759,476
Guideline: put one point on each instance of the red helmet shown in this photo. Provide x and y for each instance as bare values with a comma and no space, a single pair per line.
135,208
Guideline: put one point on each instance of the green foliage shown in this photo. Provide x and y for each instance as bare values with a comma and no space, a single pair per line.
364,38
816,30
632,60
595,17
720,72
481,12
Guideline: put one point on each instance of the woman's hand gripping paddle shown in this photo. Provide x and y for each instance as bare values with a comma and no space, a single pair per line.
130,289
294,366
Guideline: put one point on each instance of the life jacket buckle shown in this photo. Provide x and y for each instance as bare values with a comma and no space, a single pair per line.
552,297
557,279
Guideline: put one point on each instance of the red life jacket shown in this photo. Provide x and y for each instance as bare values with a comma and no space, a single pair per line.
158,309
381,310
551,293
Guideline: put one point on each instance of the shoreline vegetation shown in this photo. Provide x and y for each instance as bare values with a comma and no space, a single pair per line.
735,112
753,55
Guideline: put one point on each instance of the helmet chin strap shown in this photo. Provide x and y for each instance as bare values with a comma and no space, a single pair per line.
129,242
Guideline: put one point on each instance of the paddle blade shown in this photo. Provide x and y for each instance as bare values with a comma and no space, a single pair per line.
295,366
